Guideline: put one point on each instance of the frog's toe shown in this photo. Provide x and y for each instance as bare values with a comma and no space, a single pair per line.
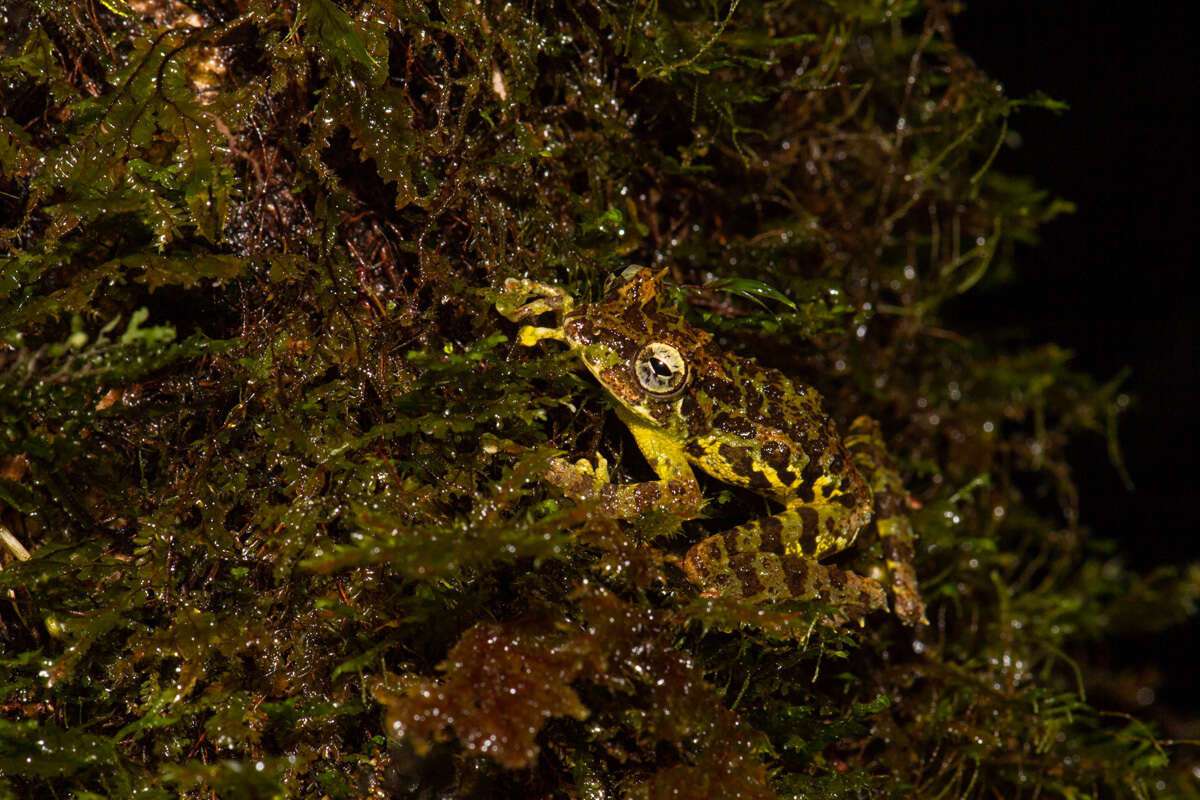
529,335
909,607
514,302
601,470
573,481
580,480
598,473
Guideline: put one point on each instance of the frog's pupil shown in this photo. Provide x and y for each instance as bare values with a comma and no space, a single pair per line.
660,368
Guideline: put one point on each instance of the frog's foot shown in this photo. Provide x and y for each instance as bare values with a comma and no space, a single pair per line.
581,481
773,577
897,537
514,303
865,443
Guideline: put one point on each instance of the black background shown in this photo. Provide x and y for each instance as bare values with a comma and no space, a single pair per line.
1111,282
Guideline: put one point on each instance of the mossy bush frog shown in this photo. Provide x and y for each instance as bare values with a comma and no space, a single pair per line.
688,403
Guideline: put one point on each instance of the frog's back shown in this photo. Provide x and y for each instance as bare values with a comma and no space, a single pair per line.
752,426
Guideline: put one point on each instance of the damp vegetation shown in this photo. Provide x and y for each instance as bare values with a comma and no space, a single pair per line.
274,520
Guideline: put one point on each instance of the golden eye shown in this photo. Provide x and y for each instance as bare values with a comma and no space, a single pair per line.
660,369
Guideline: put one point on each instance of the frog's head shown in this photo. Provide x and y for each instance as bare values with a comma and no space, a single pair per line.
636,343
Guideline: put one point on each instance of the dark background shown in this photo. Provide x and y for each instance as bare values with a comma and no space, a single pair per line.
1111,280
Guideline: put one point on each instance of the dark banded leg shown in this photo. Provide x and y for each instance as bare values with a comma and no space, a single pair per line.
810,531
773,577
775,559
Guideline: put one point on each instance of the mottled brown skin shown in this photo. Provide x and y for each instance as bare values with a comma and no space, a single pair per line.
744,424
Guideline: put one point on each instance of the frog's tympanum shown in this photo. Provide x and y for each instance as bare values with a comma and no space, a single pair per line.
689,403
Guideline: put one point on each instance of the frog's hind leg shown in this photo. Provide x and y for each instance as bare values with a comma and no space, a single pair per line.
810,530
763,576
865,443
775,558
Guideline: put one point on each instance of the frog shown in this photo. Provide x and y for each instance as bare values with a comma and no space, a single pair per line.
690,404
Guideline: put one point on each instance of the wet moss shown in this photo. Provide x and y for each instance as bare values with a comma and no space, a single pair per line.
270,464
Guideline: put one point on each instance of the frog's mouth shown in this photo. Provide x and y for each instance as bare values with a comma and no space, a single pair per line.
613,373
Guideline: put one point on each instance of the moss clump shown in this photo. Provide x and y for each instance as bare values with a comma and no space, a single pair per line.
276,465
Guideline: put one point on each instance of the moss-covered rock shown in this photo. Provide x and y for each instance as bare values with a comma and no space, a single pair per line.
270,466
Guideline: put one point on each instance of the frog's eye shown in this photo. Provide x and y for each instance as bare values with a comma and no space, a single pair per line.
660,369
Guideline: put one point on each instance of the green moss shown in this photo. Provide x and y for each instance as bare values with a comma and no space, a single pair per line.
278,464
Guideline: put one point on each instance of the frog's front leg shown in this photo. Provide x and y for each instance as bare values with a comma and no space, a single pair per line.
676,490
